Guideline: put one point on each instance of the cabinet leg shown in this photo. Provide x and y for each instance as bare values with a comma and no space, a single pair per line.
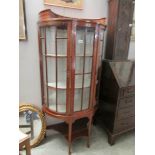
89,132
111,139
70,138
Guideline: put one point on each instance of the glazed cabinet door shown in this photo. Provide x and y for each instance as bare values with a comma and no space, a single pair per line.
84,54
54,58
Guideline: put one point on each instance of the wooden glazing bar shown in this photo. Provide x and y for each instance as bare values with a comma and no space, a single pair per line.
85,34
92,71
100,66
56,67
73,47
95,74
46,67
93,79
41,65
68,72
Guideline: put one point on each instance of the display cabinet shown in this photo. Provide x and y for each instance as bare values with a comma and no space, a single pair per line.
70,58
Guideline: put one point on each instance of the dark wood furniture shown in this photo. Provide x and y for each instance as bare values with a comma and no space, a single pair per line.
116,109
119,29
70,53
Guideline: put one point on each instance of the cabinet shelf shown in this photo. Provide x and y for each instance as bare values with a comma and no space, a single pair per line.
64,55
61,38
62,85
62,108
82,73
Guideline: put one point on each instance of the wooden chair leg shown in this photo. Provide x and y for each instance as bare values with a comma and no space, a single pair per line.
27,147
89,131
70,137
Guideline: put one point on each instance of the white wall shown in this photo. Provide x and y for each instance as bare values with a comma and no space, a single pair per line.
29,75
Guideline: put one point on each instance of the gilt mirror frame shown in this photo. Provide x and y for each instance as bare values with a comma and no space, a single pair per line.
22,21
33,108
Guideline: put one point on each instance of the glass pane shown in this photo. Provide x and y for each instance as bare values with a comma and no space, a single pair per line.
62,32
44,77
78,81
61,101
50,39
62,47
88,65
80,41
90,41
86,93
79,64
51,70
61,70
77,99
87,80
83,66
52,99
62,40
56,45
43,46
42,32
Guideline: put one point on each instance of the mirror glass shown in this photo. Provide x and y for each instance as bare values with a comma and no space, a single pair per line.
30,123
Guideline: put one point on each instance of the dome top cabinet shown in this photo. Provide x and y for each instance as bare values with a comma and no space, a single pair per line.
70,53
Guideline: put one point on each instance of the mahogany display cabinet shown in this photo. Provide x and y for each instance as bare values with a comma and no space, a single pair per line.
116,109
70,60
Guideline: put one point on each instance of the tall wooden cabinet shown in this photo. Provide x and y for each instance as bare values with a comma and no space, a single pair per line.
116,109
119,29
70,55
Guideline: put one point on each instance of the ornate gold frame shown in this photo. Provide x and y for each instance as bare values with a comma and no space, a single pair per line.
24,107
62,3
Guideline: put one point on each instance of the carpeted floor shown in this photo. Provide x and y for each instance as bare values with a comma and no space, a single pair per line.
56,144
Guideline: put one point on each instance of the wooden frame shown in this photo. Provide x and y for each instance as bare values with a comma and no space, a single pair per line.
25,143
76,4
70,116
22,21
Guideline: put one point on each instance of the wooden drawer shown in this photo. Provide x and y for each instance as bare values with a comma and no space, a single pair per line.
126,102
124,124
128,91
125,113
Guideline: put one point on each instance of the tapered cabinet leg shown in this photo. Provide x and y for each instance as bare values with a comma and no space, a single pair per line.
69,138
89,132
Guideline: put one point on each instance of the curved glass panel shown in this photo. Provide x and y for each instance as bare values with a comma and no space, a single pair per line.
83,66
54,51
